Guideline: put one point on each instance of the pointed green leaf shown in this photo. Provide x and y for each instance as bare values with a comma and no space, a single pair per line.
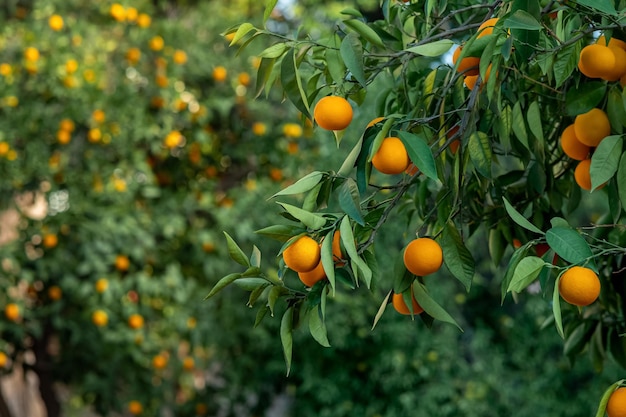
430,306
242,31
304,184
351,51
314,221
286,336
327,258
223,282
381,309
581,99
517,257
456,256
556,308
350,160
317,327
522,20
525,273
269,6
292,84
420,153
518,125
480,153
274,51
280,232
569,245
347,238
432,49
250,283
273,296
621,179
255,257
334,61
603,6
260,315
534,120
235,251
605,398
365,31
350,200
605,160
518,218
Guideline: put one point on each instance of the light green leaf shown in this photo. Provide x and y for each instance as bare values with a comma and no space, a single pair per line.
556,308
286,336
381,309
269,6
314,221
518,218
350,200
430,306
348,163
242,31
317,327
525,273
605,160
605,397
420,153
223,282
327,258
517,257
432,49
365,31
480,153
352,53
235,251
274,51
347,238
334,61
304,184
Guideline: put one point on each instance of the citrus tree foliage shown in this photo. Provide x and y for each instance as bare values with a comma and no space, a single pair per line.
509,178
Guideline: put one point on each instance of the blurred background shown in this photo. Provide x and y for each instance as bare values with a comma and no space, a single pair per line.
130,138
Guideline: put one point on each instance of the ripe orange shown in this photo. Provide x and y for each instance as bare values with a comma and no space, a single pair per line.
50,240
55,293
179,57
135,321
188,363
118,12
12,312
55,22
219,74
579,286
131,14
487,27
619,68
303,255
173,139
337,255
4,359
67,125
259,128
143,20
423,256
31,54
391,158
470,81
292,130
122,263
133,55
616,407
592,127
135,408
400,305
468,65
71,65
571,146
101,285
312,277
159,361
613,42
244,79
582,174
333,113
156,43
374,121
596,61
100,318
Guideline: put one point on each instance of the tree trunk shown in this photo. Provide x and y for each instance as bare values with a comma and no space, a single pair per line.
4,407
43,369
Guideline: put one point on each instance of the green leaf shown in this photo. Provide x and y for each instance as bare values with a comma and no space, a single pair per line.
327,258
260,315
334,61
525,273
235,252
565,63
350,201
518,125
381,309
273,296
280,232
420,153
255,257
556,307
605,398
242,31
351,12
352,53
274,51
430,306
347,238
586,96
518,218
603,6
349,162
517,257
569,245
522,20
365,31
432,49
290,80
605,160
223,282
534,120
286,336
621,179
456,256
314,221
304,184
250,283
317,327
480,153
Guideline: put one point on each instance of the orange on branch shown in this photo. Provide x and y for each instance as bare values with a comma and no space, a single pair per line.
579,286
401,307
468,65
423,256
333,113
591,127
573,147
616,407
303,255
391,157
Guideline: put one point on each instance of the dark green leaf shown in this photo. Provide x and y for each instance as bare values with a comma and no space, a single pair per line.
352,53
347,238
517,257
621,179
581,99
365,31
534,120
317,327
235,251
286,336
419,153
350,200
522,20
605,160
430,306
518,124
556,308
280,232
290,80
228,279
456,256
518,218
602,6
569,245
480,153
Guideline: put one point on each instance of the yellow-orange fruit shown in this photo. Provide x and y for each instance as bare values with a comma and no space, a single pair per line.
303,255
596,61
573,147
423,256
616,407
374,121
487,27
400,305
613,42
12,312
391,157
468,65
333,113
135,321
337,255
579,286
135,408
582,175
312,277
619,68
470,81
592,127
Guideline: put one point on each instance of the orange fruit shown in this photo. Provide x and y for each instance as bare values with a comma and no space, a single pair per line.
122,263
55,22
188,363
613,42
31,54
179,57
571,146
596,61
259,128
67,125
470,81
135,408
118,12
616,407
312,277
133,55
487,27
99,318
303,255
244,79
50,240
468,65
333,113
101,285
219,74
135,321
143,20
391,158
55,293
579,286
292,130
156,43
12,312
374,121
4,359
619,68
400,305
423,256
582,174
159,361
337,255
173,139
592,127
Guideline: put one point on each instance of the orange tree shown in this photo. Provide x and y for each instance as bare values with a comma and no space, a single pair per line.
122,144
515,136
